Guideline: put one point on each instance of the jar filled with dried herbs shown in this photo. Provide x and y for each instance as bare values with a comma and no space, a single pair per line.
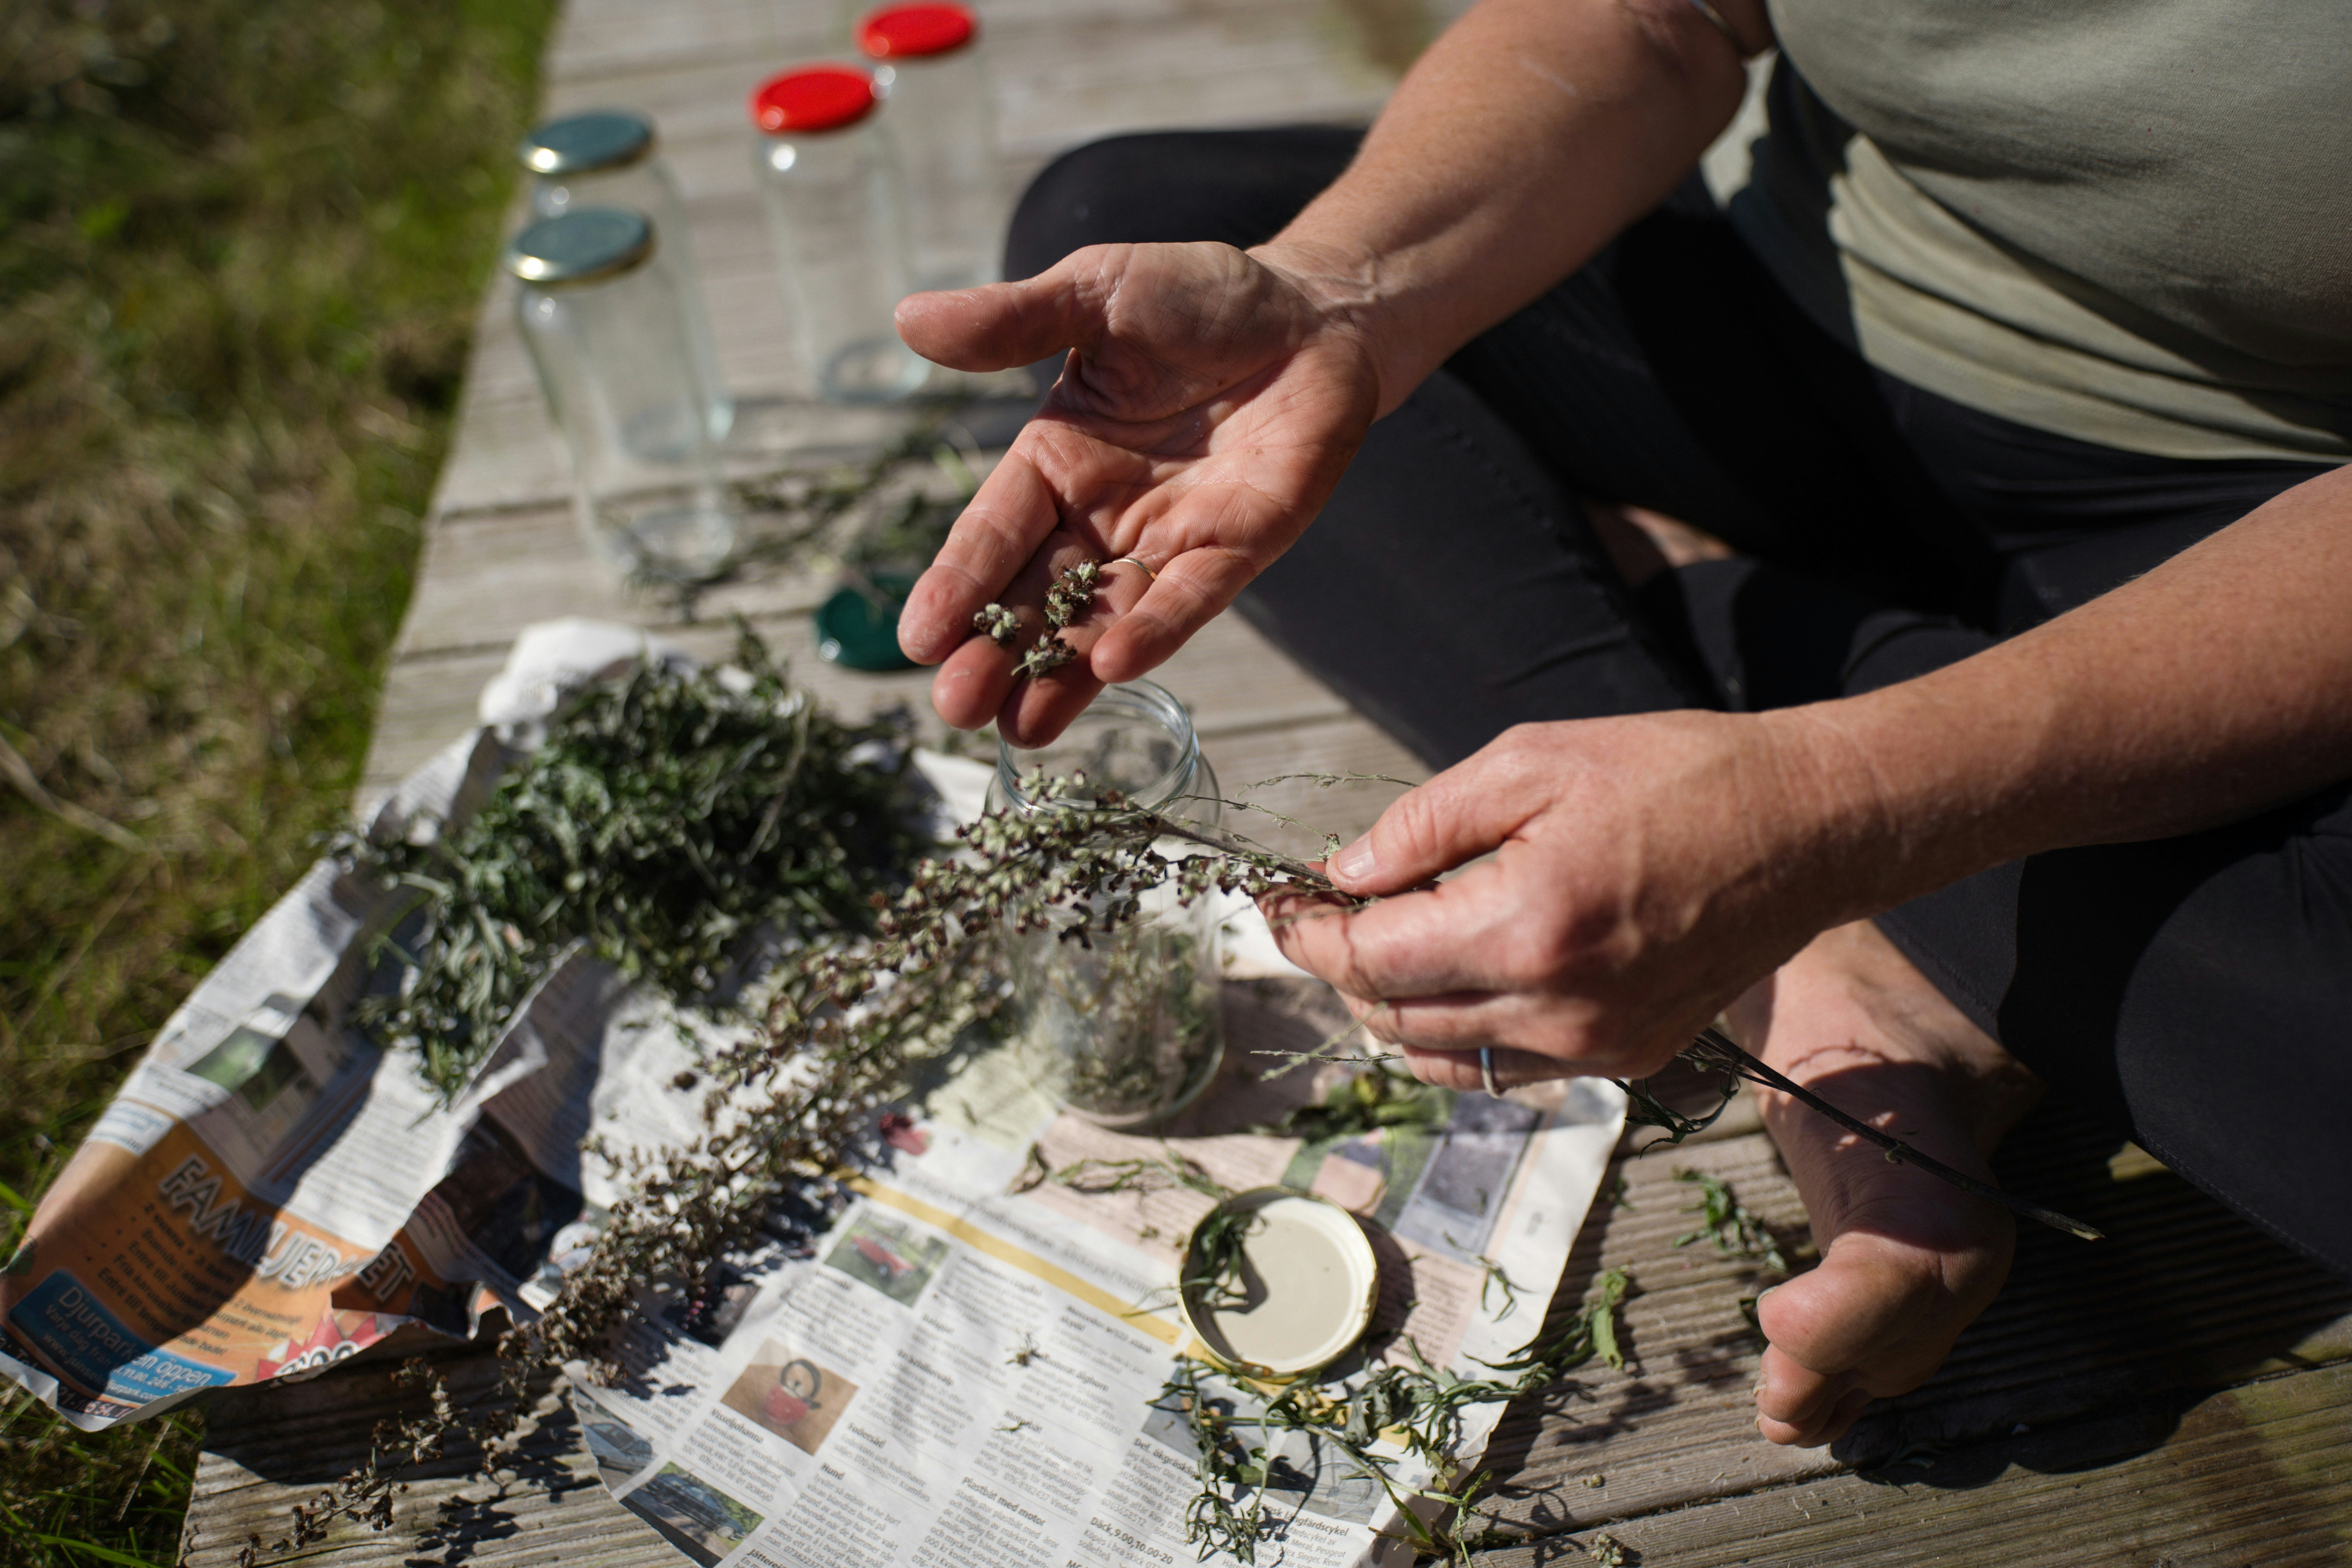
1121,1015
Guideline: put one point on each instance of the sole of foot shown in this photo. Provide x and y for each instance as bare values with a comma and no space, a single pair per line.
1907,1261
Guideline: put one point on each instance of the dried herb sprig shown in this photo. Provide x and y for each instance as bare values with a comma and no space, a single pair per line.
849,1024
856,518
1411,1404
1643,1109
1729,1224
1066,602
666,818
1072,594
1713,1051
997,623
1380,1097
1142,1177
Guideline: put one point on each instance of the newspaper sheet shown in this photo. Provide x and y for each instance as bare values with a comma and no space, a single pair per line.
945,1362
965,1368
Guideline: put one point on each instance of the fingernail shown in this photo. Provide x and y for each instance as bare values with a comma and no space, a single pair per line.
1355,861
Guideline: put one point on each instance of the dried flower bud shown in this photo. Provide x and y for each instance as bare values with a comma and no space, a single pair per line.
999,625
1049,654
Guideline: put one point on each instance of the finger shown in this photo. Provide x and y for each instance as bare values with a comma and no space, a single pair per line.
1460,815
1040,707
998,535
981,682
972,684
1554,1031
1458,1070
1189,592
1007,324
1459,936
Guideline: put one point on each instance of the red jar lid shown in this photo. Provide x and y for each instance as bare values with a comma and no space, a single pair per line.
818,98
910,32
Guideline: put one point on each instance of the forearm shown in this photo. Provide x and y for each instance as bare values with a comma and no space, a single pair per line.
2217,684
1523,141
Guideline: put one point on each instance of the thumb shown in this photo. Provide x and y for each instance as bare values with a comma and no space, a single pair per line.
1003,324
1458,815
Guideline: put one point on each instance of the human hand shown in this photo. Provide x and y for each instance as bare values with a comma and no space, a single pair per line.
1646,870
1212,401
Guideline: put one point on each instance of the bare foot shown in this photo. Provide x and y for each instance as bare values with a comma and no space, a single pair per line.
1907,1261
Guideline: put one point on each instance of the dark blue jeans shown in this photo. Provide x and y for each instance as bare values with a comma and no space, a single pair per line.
2197,991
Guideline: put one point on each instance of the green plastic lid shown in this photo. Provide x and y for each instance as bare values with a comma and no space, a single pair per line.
587,143
859,630
580,247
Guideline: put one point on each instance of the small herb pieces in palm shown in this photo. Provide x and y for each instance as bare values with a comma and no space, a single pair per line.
1068,601
997,623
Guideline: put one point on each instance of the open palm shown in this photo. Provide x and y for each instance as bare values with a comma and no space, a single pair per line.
1207,410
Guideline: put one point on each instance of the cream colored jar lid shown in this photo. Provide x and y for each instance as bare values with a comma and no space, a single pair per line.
1309,1281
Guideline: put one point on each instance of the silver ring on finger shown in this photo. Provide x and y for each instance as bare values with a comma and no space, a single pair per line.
1486,1072
1137,563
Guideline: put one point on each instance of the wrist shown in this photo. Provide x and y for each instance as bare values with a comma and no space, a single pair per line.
1920,784
1855,842
1344,288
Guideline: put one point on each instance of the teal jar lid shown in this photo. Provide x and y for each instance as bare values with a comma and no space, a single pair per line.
858,629
582,246
587,143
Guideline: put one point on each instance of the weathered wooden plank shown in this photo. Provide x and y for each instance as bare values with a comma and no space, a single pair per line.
1678,1424
1258,714
2253,1475
2183,1296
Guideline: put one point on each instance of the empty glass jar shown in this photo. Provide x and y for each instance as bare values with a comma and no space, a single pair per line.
838,221
609,341
607,159
1127,1028
940,124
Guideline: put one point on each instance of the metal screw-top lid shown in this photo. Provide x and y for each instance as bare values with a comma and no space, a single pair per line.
587,143
581,248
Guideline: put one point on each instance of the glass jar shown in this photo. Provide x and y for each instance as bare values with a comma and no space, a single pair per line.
607,159
838,222
1127,1029
940,124
609,342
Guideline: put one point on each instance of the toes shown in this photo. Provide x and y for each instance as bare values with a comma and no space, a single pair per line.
1876,1318
1821,1429
1794,1396
1866,1299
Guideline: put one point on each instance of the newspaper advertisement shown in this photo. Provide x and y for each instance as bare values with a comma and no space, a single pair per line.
949,1362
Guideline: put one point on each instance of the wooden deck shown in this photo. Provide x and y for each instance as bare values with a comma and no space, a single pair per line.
2178,1396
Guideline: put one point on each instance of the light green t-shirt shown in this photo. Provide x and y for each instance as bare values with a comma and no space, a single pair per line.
2126,221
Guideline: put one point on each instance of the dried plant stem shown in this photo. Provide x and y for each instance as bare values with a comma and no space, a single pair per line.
1711,1049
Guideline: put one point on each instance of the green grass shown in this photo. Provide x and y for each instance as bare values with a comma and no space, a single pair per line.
241,246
